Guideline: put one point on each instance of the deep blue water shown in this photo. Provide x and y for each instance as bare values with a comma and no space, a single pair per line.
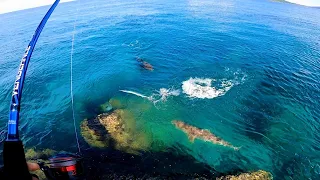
268,51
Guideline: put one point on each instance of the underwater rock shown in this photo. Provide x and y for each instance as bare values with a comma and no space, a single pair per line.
106,107
122,128
44,154
258,175
194,132
119,130
144,64
259,109
94,133
116,103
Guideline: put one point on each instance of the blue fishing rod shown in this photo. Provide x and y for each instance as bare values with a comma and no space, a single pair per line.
13,123
60,166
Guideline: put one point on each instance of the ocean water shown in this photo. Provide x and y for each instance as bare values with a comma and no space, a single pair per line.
247,70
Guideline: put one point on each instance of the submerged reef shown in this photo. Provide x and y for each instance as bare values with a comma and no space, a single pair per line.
116,103
116,129
94,133
122,128
257,175
194,132
106,107
33,154
110,105
259,109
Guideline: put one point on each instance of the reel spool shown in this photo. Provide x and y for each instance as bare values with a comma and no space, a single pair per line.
63,166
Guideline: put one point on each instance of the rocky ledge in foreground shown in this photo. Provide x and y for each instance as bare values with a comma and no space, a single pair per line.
257,175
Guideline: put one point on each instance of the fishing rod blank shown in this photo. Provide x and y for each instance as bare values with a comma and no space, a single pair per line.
13,122
13,152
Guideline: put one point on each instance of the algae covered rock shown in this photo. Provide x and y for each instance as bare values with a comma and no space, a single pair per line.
257,175
119,127
44,154
116,103
94,134
112,104
106,107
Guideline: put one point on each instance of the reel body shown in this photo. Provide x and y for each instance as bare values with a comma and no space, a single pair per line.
63,166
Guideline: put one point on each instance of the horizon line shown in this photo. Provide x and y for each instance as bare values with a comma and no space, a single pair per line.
14,6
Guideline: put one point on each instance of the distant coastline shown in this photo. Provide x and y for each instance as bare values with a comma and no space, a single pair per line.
18,5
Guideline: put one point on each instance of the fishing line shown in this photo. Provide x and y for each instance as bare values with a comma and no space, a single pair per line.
71,79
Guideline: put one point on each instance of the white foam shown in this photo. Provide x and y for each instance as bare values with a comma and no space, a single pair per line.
202,88
135,93
161,95
164,93
133,44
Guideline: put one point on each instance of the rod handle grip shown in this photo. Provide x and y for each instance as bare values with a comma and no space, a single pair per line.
15,165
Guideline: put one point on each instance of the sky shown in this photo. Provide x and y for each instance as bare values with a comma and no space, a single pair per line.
16,5
306,2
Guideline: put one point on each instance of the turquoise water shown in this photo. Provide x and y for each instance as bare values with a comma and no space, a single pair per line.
267,51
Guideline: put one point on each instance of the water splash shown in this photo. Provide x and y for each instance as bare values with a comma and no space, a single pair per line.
202,88
135,43
137,94
164,93
207,88
161,95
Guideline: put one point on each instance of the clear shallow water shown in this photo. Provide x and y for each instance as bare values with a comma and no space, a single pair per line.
269,50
